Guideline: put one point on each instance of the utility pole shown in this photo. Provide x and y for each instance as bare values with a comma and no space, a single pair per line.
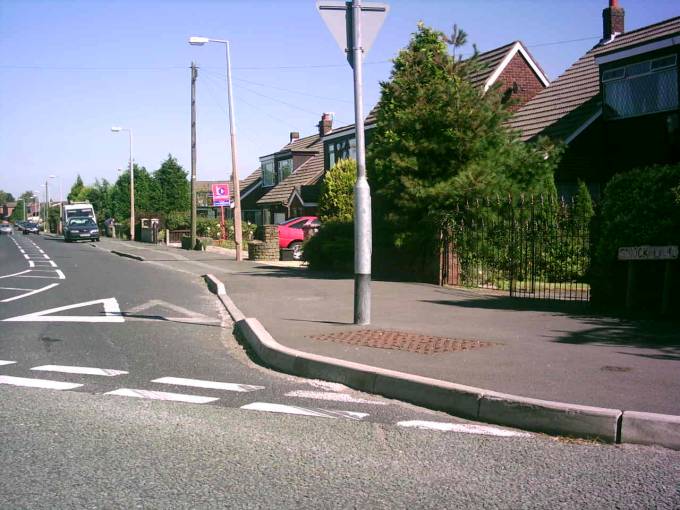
47,209
194,75
238,236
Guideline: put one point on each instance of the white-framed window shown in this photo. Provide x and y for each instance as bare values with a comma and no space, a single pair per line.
641,88
284,168
268,175
341,148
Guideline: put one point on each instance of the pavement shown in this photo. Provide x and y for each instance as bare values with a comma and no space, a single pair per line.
555,352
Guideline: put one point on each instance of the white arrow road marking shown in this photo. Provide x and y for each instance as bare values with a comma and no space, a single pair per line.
37,383
161,395
198,383
20,296
336,397
107,372
466,428
4,362
111,313
322,413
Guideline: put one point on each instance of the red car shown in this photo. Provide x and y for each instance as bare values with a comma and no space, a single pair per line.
291,233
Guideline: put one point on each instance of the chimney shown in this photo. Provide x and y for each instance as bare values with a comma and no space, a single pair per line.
294,135
612,20
325,124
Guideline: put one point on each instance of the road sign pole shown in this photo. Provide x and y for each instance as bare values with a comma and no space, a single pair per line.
362,192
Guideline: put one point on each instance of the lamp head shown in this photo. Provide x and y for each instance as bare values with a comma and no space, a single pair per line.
198,41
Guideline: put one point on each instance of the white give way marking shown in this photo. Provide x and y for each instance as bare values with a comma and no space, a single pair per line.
111,313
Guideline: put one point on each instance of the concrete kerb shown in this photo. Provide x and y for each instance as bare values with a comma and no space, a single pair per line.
610,425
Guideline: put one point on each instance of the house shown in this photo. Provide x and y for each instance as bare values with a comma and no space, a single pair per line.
204,198
616,108
290,176
7,209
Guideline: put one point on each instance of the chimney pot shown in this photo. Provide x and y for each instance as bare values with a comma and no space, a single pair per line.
325,124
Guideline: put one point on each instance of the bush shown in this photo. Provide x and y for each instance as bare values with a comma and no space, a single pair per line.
336,200
178,220
638,208
332,248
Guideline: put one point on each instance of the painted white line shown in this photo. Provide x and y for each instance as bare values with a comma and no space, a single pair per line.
161,395
25,256
198,383
4,362
45,255
22,250
107,372
31,263
465,428
21,296
13,288
37,383
61,275
335,397
111,313
16,274
303,411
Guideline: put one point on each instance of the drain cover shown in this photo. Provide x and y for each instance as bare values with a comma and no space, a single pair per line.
610,368
401,341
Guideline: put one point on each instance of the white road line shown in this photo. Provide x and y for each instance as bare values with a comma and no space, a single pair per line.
303,411
31,263
335,397
13,288
198,383
107,372
25,256
465,428
111,313
21,296
161,395
37,383
4,362
15,274
45,255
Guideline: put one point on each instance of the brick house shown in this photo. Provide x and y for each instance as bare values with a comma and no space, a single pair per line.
7,209
204,197
616,108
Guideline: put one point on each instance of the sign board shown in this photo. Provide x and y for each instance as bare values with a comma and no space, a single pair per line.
220,193
648,253
338,18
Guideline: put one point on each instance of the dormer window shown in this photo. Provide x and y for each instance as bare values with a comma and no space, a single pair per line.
284,168
268,175
641,88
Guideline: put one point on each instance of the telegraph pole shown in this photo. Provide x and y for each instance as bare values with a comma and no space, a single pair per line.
194,75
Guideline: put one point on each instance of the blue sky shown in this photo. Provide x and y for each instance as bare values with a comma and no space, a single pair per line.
71,69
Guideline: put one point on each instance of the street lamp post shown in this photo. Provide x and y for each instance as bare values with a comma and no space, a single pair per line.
238,237
48,214
118,129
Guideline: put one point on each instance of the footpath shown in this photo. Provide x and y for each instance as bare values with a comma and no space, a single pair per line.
518,362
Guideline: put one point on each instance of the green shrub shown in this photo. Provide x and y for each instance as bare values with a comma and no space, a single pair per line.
638,208
332,248
178,220
336,200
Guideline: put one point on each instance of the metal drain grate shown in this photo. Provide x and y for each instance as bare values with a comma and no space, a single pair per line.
401,341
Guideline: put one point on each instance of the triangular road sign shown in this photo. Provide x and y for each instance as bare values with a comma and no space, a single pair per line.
111,313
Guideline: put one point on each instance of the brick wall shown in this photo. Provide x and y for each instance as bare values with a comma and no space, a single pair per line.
519,72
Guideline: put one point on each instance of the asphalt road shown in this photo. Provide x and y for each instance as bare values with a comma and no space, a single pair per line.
71,443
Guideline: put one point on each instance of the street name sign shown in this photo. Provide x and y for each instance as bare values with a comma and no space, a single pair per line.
338,18
648,253
220,193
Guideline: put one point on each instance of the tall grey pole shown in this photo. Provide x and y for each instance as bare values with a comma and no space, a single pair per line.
362,192
23,201
194,74
47,208
132,191
238,238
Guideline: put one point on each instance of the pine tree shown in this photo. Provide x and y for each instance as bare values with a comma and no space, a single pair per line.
172,187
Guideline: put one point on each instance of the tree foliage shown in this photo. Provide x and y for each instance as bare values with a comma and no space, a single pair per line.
77,193
172,187
336,201
6,197
440,140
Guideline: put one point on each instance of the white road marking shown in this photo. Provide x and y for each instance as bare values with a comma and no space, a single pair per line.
336,397
16,274
31,263
4,362
111,313
466,428
37,383
327,386
107,372
161,395
58,272
20,296
303,411
26,256
13,288
45,255
198,383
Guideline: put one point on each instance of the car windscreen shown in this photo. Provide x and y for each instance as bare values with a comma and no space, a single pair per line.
81,222
78,212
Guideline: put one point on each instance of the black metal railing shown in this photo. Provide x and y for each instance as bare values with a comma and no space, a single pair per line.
533,247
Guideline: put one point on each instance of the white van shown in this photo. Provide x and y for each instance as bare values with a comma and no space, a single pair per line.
77,210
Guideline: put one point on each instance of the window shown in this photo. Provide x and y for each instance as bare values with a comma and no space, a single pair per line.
267,173
641,88
285,168
298,224
341,148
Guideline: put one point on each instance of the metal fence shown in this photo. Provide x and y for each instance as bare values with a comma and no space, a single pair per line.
528,247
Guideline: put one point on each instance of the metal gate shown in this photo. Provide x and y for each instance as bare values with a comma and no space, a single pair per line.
532,248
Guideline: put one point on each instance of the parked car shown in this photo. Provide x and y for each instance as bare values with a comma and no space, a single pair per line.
292,234
31,228
6,228
81,228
